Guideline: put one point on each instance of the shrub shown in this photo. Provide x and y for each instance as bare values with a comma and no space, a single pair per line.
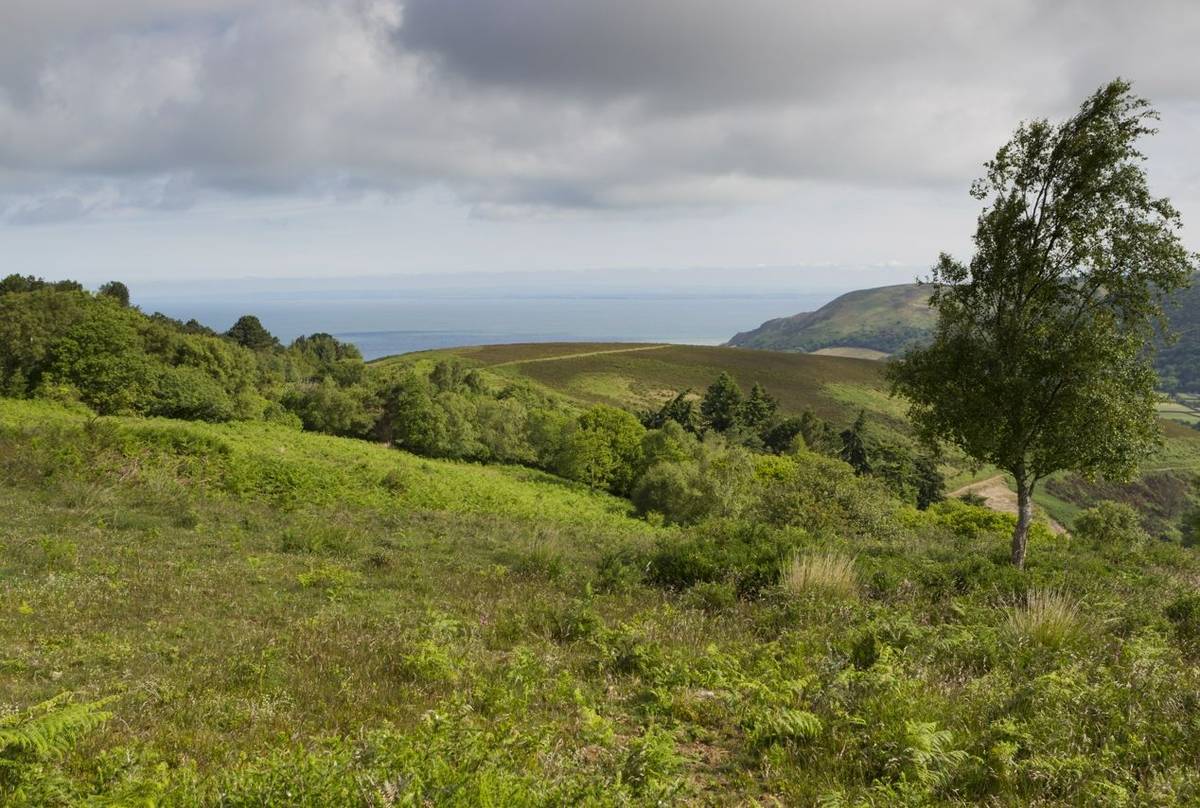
820,495
619,570
743,554
603,449
717,480
1048,618
1111,525
1184,614
820,574
712,597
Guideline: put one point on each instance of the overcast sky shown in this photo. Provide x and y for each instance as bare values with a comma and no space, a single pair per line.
161,139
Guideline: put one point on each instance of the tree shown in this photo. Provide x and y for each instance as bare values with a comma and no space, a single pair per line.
249,332
1040,358
603,449
854,445
721,403
758,408
681,409
117,291
930,482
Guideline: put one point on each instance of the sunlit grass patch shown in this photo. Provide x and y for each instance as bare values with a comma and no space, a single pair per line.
830,574
1048,617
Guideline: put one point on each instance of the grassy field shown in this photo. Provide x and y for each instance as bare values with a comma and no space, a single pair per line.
278,618
643,376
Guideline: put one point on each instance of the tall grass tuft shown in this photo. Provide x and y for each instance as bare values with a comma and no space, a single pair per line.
1048,617
820,573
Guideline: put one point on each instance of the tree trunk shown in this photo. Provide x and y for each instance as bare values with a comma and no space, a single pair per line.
1024,519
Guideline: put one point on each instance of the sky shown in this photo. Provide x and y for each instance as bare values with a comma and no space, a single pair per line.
201,140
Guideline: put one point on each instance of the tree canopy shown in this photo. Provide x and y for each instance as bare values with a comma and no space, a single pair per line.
1041,357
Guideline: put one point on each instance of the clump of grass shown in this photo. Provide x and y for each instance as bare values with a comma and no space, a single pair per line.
829,573
1048,617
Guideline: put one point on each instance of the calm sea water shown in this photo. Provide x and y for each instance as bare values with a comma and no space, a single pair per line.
384,326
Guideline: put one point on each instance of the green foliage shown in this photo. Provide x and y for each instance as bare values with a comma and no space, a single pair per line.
721,404
1184,614
116,290
854,447
603,448
249,332
680,410
1039,360
33,737
472,635
688,480
744,555
1112,526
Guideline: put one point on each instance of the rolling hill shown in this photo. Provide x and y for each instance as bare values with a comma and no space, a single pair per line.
639,376
886,319
246,614
870,323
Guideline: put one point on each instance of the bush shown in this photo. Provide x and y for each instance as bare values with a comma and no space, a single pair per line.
712,597
744,555
1184,614
820,495
716,481
1111,525
603,449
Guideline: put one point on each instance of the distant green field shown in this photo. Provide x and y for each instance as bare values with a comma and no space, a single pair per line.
640,376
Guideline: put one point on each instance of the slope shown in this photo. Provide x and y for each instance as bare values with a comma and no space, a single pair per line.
887,319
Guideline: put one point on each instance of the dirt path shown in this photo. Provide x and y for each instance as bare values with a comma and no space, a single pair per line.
999,497
577,355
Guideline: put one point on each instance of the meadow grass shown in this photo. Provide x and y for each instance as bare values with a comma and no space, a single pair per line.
829,574
262,641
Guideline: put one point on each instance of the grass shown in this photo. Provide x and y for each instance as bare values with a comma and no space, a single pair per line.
485,636
289,469
639,376
1047,617
822,574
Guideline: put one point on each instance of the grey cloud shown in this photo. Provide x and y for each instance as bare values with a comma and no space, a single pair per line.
50,211
528,105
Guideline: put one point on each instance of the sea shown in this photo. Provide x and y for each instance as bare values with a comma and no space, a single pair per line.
382,324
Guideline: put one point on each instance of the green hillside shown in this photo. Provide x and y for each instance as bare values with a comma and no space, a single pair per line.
243,614
887,319
475,577
639,376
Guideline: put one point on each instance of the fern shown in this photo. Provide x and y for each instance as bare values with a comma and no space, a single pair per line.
48,729
783,726
930,750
